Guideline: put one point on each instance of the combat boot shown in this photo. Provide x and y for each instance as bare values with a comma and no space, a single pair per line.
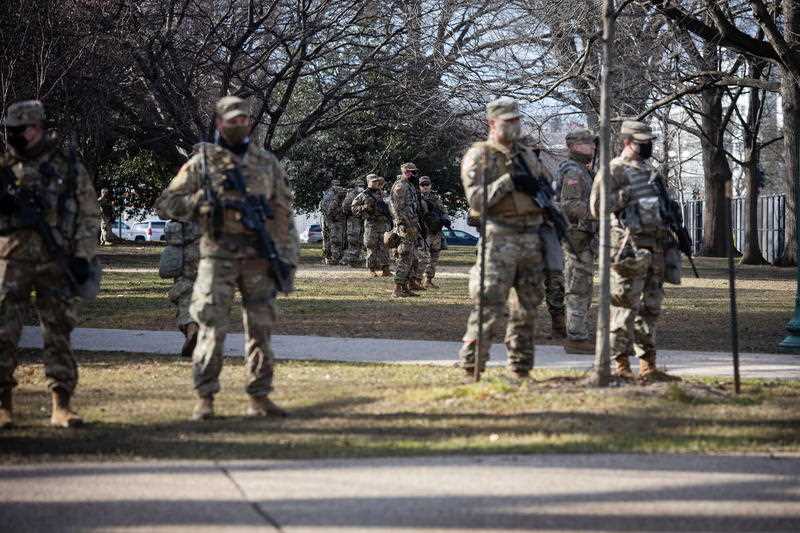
582,346
263,406
559,327
204,408
415,285
386,272
649,373
400,291
63,416
190,332
6,409
622,368
429,284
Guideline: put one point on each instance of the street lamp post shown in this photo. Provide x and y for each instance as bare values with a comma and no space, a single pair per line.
791,344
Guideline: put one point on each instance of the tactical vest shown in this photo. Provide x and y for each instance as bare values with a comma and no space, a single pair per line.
642,213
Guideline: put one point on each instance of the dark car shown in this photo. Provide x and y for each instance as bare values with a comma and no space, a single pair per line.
456,237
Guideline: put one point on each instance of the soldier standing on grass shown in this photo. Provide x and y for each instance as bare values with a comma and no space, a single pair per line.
106,202
407,210
354,227
334,227
514,250
371,206
230,254
638,235
429,254
576,180
48,236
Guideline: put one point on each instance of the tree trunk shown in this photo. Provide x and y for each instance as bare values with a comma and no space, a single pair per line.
717,173
791,121
751,251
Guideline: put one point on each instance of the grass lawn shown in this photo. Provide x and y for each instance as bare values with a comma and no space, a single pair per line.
138,407
346,302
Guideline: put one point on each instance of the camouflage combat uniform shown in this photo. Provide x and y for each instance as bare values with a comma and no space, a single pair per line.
637,255
406,211
106,202
554,298
514,252
354,229
429,254
335,223
377,221
26,265
576,187
230,258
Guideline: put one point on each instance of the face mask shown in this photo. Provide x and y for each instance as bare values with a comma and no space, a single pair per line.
17,141
235,135
509,131
645,150
581,158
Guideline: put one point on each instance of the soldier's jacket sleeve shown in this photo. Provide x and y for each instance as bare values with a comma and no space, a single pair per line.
362,205
403,201
616,182
179,200
287,241
88,215
574,197
473,167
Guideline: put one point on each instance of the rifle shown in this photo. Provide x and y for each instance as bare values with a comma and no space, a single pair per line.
543,198
210,200
436,219
383,209
255,211
671,213
30,209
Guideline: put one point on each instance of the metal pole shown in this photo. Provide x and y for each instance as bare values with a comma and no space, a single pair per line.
602,360
732,287
791,344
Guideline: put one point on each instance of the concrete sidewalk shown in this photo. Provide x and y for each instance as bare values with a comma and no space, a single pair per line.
753,365
478,494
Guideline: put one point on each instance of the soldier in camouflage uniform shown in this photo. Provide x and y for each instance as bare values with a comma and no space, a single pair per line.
575,179
335,222
429,254
637,253
230,254
406,210
354,226
371,206
514,251
106,202
34,165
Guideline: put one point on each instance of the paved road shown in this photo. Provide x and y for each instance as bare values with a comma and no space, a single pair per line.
494,493
754,365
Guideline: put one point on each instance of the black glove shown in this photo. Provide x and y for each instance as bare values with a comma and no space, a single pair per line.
79,268
523,183
7,204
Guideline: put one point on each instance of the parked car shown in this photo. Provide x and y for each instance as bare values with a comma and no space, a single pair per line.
122,230
312,234
455,237
149,230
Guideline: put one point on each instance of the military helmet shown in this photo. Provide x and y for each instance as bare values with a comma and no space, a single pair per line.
639,131
504,108
408,166
229,107
25,113
581,136
424,180
374,178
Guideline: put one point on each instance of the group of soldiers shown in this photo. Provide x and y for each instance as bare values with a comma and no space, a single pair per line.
233,229
403,226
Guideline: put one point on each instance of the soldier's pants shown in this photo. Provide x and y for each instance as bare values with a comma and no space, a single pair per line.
430,259
635,306
407,261
578,273
337,231
106,233
377,255
57,314
355,235
513,261
217,280
554,291
181,295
